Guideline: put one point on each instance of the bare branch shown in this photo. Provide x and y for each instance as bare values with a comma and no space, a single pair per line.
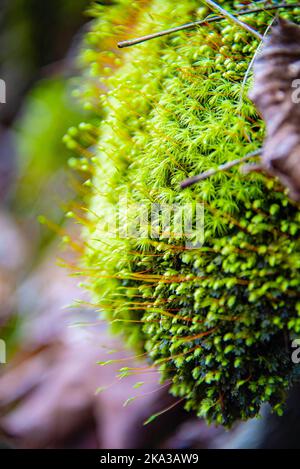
200,177
200,23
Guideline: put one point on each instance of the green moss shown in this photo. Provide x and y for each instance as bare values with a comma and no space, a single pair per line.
216,320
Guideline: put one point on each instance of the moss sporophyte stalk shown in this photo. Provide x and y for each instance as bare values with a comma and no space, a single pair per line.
216,321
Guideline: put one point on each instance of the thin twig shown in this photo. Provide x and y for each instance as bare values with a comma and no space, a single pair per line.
233,19
223,167
200,23
139,40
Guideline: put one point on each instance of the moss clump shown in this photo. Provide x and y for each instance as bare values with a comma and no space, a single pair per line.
216,320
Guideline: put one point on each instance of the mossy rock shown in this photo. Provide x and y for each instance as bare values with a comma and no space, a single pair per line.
218,320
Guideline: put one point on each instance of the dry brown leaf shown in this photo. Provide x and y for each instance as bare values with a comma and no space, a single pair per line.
276,71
